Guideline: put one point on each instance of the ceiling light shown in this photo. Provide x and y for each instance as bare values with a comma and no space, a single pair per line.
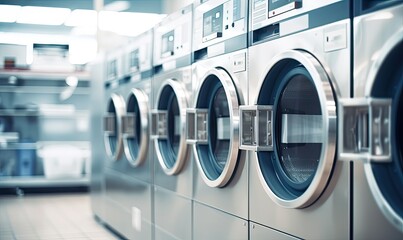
127,23
9,13
117,6
82,50
71,81
43,15
81,17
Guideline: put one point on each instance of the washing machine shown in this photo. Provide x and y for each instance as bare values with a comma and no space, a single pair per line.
299,66
130,180
372,126
128,169
219,76
171,86
114,110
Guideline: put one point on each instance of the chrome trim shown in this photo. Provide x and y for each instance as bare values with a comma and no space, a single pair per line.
322,82
120,109
142,101
232,97
179,91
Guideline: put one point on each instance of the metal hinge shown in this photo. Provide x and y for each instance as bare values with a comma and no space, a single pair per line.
129,125
110,125
365,129
256,128
196,127
159,124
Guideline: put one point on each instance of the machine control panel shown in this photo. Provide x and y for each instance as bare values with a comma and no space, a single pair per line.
173,37
265,13
217,21
167,44
134,61
138,54
111,69
277,7
213,23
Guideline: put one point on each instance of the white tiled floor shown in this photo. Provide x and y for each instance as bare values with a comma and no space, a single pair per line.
56,216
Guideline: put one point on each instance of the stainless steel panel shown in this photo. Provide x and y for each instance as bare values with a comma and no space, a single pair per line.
180,23
97,147
115,217
375,35
210,223
327,218
120,220
233,21
369,222
332,210
180,183
143,171
260,232
173,215
128,193
226,62
372,32
145,233
259,12
231,198
334,62
143,44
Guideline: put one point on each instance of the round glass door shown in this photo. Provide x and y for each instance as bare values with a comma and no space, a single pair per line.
171,148
135,130
304,130
113,126
385,178
217,157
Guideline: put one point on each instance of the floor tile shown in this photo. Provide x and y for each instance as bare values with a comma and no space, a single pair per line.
50,217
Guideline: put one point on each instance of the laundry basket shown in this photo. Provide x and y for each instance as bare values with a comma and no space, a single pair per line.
62,161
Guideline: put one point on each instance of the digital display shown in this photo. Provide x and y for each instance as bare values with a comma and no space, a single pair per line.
167,47
134,59
238,8
112,69
213,21
280,6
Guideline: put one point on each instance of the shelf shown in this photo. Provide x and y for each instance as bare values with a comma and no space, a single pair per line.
32,103
41,181
39,113
41,144
9,137
44,75
42,90
18,113
19,146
